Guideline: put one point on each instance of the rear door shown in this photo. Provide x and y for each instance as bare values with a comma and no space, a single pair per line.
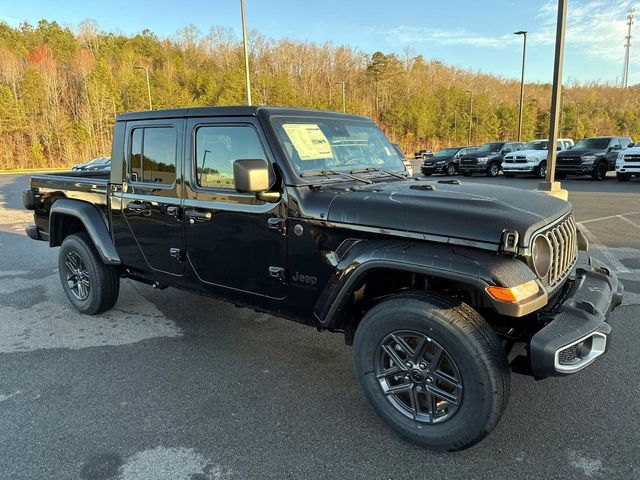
612,152
151,194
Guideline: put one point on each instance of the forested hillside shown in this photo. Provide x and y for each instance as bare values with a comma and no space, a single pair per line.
60,90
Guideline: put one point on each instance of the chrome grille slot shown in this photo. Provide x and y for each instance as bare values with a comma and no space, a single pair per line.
564,251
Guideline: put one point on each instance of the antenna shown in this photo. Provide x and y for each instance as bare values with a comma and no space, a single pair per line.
627,46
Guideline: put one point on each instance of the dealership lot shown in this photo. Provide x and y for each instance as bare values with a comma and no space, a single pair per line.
171,385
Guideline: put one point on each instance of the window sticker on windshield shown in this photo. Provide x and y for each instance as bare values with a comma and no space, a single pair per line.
309,141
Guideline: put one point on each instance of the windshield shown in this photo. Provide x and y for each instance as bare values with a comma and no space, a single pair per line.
536,145
490,147
319,144
592,143
447,152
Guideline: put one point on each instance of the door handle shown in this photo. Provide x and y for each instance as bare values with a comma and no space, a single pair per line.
197,215
137,206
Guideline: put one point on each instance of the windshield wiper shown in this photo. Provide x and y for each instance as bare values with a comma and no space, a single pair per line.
328,173
374,169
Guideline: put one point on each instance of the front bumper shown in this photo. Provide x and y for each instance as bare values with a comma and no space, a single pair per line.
581,169
577,332
479,168
518,167
429,169
628,168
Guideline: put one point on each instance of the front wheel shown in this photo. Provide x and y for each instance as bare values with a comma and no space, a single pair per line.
451,169
541,171
433,369
493,170
91,286
600,171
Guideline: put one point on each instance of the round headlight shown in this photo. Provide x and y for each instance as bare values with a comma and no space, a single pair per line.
541,256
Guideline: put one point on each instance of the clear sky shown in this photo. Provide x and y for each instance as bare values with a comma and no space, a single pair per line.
471,34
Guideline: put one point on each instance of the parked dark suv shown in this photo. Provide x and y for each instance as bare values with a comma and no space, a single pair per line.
487,159
445,161
591,156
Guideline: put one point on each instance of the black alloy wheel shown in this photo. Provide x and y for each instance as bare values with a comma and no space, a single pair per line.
418,377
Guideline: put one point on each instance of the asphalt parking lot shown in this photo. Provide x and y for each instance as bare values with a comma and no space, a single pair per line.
169,385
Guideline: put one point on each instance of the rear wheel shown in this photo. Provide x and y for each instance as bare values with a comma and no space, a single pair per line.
433,370
623,177
493,169
91,286
600,171
541,170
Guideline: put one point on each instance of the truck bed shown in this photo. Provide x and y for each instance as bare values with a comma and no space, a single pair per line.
86,186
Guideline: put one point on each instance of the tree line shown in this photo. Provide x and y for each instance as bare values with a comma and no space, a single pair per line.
61,90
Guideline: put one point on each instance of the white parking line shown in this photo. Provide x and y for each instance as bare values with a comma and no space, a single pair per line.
595,243
630,222
607,218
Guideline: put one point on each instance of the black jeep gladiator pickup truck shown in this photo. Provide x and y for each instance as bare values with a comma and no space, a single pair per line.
443,288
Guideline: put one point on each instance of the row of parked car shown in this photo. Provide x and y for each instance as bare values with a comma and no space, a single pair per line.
589,156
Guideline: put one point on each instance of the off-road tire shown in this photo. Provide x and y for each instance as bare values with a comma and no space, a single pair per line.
541,170
103,280
470,342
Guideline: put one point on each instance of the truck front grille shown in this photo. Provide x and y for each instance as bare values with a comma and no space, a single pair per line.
632,158
564,249
570,160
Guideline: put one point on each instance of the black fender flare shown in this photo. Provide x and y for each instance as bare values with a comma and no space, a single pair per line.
93,222
473,267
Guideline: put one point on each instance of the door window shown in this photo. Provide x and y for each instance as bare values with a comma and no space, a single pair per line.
153,155
615,143
217,147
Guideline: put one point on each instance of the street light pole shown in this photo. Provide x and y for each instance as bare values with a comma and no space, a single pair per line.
470,114
524,57
550,185
246,53
344,97
146,71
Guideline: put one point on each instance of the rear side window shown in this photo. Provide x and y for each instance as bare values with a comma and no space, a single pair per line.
153,155
217,147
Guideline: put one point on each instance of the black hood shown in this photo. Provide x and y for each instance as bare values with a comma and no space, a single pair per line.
465,211
439,159
482,154
578,152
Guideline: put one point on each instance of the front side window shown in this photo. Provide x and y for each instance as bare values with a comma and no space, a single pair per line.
330,144
153,155
217,147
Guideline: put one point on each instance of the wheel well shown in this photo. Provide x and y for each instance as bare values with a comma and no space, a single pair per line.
378,284
64,225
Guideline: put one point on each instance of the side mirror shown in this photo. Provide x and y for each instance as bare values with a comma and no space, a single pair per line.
252,176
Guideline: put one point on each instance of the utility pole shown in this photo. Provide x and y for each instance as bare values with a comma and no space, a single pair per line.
524,57
146,71
344,96
627,47
550,186
246,53
470,114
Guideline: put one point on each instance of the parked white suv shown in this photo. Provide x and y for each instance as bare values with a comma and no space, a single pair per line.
532,158
628,163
